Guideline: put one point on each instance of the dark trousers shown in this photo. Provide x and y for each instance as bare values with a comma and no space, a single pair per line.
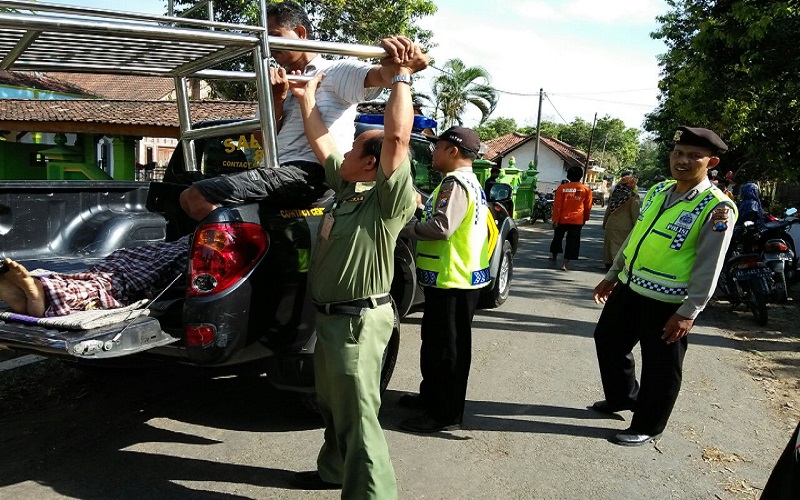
627,319
573,247
446,352
784,481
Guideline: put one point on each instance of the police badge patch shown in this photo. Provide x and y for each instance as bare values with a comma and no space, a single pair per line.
719,219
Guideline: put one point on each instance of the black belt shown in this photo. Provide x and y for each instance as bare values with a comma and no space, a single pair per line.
353,307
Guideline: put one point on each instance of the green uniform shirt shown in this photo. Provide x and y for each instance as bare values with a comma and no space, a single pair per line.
356,260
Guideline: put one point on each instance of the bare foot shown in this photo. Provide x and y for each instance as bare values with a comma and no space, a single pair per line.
13,295
31,287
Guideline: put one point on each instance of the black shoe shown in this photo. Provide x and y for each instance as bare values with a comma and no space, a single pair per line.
311,480
427,425
632,438
413,401
606,407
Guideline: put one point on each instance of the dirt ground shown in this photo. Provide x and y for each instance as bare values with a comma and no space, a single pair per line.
773,358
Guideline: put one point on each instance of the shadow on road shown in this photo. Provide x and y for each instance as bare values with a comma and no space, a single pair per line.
88,444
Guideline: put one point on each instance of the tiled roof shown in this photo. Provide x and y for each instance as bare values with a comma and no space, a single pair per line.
153,113
503,145
38,81
139,88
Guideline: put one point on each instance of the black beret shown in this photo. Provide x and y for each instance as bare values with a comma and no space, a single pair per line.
701,137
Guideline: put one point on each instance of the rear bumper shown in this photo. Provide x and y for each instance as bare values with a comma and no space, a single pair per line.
112,341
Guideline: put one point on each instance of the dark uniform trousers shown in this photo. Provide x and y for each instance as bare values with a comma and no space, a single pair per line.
628,318
446,351
573,247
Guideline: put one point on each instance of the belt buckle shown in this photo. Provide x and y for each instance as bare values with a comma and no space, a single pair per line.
327,308
373,303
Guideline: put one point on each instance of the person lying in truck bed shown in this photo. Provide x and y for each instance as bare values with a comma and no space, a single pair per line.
121,278
300,176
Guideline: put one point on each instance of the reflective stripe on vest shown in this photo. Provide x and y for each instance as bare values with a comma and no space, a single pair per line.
662,248
462,261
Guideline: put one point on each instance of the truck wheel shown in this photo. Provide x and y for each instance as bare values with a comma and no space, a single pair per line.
497,293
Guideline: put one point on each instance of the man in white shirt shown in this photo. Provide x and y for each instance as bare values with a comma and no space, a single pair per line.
300,176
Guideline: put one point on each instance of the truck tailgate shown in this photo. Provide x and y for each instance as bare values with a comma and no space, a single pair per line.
111,341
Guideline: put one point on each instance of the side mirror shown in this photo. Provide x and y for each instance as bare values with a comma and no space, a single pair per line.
500,192
790,211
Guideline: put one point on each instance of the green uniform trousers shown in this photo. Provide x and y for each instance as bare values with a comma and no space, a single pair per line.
347,366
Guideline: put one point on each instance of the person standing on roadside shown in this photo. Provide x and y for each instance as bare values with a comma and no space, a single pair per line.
352,266
621,214
452,266
571,207
658,283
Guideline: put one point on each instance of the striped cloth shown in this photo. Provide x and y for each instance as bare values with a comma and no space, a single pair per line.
123,277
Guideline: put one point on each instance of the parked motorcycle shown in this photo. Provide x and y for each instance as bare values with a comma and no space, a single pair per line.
779,253
760,266
542,208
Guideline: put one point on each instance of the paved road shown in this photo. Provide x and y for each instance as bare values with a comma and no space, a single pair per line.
528,433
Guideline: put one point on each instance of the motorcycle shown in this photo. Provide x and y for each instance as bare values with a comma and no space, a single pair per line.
779,253
760,265
542,208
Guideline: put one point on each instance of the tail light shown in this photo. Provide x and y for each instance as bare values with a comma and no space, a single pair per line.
748,264
222,253
776,246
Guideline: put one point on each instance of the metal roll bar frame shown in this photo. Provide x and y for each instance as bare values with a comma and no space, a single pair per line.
51,37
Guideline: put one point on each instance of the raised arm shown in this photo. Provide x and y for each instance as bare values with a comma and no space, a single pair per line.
319,137
398,118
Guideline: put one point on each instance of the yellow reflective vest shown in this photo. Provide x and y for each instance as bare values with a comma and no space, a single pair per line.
662,247
462,261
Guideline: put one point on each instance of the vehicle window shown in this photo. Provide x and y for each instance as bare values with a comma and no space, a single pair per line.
425,177
226,155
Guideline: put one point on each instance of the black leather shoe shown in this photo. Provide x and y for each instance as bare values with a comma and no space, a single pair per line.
413,401
631,438
427,425
606,407
311,480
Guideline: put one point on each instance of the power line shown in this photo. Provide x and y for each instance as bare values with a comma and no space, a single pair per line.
556,109
568,96
571,95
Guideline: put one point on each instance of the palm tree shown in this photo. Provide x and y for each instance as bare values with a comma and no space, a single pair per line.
460,85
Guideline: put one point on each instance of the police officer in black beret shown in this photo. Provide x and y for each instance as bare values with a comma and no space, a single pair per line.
662,277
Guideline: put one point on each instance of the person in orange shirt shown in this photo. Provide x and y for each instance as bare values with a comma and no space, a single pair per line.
571,207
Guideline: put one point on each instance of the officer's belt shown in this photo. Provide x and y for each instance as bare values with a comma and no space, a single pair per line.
353,307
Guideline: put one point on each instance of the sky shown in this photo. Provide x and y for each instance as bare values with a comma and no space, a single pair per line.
589,56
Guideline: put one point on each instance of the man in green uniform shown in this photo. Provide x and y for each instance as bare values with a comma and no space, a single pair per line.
660,280
352,266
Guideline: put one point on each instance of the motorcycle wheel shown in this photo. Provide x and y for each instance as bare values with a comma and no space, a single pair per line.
758,306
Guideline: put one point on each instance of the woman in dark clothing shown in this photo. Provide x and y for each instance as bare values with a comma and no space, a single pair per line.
750,208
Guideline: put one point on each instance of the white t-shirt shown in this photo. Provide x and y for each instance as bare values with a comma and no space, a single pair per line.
337,96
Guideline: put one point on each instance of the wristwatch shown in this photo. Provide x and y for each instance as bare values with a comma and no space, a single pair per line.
403,77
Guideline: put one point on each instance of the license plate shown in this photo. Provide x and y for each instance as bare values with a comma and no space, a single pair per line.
777,256
758,272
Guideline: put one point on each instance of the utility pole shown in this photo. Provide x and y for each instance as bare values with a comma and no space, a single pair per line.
591,138
538,125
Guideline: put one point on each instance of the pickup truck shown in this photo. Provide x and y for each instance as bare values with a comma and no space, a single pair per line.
242,304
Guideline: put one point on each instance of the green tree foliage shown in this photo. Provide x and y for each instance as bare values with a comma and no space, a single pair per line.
614,145
732,66
458,86
496,127
352,21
